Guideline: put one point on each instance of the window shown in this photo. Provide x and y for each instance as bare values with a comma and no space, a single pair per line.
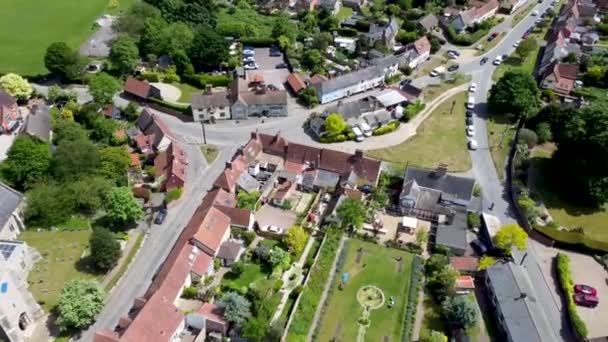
222,115
11,227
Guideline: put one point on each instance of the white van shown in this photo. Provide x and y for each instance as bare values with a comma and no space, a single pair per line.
365,128
438,71
471,102
358,134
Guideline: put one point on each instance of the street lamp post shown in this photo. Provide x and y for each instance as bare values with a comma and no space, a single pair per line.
204,135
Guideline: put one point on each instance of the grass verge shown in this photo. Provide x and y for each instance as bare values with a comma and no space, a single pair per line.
125,264
432,91
210,152
522,13
187,92
440,138
500,132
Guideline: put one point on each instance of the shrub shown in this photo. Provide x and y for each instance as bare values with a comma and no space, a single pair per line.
105,250
287,205
567,285
173,195
386,129
543,132
412,301
171,106
244,235
528,137
189,292
326,139
258,41
473,220
150,76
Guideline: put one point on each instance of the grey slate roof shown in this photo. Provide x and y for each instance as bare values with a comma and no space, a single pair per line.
247,182
453,235
39,123
326,179
6,100
213,100
460,187
523,312
10,199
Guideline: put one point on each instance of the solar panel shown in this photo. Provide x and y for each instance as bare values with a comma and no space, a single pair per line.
7,250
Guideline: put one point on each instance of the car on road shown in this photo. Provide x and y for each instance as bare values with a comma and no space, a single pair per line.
479,247
534,13
585,300
468,121
249,59
161,216
492,36
483,60
405,82
471,102
252,66
453,67
452,56
248,52
454,52
516,44
526,35
497,60
469,114
274,51
504,57
470,130
472,144
473,88
282,66
585,289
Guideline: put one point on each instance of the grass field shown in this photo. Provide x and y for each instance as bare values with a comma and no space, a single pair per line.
258,25
377,267
28,27
514,62
440,138
433,91
249,276
62,260
546,183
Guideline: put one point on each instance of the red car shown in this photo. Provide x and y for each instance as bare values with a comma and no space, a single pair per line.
525,35
585,300
585,289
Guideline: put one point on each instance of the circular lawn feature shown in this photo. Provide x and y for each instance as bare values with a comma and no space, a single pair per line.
370,297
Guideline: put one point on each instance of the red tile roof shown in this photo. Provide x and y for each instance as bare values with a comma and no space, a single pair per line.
238,216
296,82
134,159
219,197
172,164
303,154
274,144
201,263
486,8
565,76
212,312
136,87
464,263
212,228
465,282
317,79
106,336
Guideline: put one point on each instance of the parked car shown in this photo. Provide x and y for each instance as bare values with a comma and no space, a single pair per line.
492,36
516,44
249,59
497,60
453,67
483,60
248,52
504,57
437,71
472,144
471,102
365,128
251,66
526,35
473,88
534,13
468,121
470,130
358,134
405,82
455,52
274,51
478,246
585,289
161,216
469,113
282,66
585,300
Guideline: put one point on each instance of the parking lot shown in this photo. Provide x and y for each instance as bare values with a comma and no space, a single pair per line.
267,68
268,215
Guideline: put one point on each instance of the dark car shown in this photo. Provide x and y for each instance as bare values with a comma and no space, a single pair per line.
504,57
492,36
405,82
469,121
585,289
161,216
275,51
479,247
526,34
453,67
282,66
483,60
585,300
469,113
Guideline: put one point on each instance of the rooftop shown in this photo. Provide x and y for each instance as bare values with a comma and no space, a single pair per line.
11,199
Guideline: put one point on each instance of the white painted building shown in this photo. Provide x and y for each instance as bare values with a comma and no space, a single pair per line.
11,213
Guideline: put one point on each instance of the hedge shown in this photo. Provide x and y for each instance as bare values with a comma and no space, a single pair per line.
327,139
412,301
309,300
258,41
183,109
567,285
386,129
201,81
572,238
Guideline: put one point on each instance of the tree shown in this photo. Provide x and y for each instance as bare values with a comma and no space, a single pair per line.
526,47
528,137
247,200
237,268
70,131
314,61
282,27
208,48
103,87
296,239
460,312
543,132
511,235
27,162
485,262
422,236
124,55
16,86
105,250
279,258
334,124
435,263
114,161
130,112
47,205
380,197
80,301
102,129
352,213
121,207
132,23
516,93
441,283
61,60
236,308
308,97
74,159
433,336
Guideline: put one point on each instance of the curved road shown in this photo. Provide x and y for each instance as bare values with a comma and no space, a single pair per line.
230,134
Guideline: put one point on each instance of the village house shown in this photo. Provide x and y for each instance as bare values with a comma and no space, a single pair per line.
9,113
560,78
383,32
417,52
428,23
150,134
11,213
478,13
38,123
510,6
140,90
170,166
210,106
296,83
255,98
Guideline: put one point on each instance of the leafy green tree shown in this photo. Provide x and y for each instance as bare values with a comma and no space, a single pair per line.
61,60
435,263
28,161
208,48
516,93
334,124
247,200
308,97
236,308
352,213
47,205
485,262
74,159
296,239
121,207
68,131
124,55
102,129
528,137
16,86
115,161
543,132
441,283
526,47
132,23
105,249
282,27
314,61
80,301
380,197
279,258
103,87
422,237
511,235
460,312
130,112
237,268
151,41
433,336
87,194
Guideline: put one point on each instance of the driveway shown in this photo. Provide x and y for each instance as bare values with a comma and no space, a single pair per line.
267,68
98,45
268,215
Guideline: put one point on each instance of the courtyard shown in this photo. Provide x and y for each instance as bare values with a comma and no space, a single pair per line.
370,306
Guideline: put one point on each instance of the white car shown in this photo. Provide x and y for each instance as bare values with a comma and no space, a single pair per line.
248,52
249,59
517,43
365,128
251,66
471,102
497,60
358,134
534,13
472,144
452,55
470,130
275,229
473,88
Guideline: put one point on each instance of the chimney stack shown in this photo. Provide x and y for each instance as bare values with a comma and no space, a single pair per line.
359,154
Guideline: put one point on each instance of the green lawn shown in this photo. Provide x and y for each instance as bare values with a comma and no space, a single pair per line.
440,138
210,152
515,62
258,25
187,91
28,27
521,13
249,276
377,267
500,132
344,13
62,260
546,183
